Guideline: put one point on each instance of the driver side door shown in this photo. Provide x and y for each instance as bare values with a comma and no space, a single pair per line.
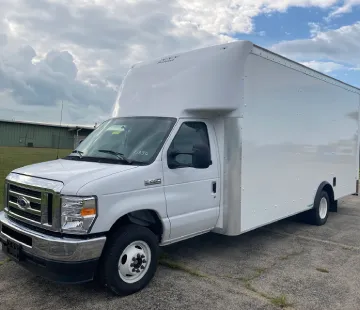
192,194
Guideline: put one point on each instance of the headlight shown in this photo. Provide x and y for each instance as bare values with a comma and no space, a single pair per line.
77,214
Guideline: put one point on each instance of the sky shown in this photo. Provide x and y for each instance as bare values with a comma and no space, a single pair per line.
74,54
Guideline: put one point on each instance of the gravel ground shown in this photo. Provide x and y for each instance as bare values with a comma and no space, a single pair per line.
287,264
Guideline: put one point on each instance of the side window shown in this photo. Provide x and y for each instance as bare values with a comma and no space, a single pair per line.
189,135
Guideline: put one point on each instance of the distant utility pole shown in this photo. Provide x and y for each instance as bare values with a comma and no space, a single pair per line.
62,106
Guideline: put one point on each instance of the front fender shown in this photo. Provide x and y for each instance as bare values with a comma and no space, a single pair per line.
114,206
120,194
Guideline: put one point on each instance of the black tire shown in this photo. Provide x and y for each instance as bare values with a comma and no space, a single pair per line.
108,273
314,215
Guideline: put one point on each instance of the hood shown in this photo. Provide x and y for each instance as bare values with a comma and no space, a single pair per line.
70,170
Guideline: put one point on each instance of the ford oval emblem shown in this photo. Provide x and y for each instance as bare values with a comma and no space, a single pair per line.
23,203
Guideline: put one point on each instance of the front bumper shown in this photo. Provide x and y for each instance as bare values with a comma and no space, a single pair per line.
59,259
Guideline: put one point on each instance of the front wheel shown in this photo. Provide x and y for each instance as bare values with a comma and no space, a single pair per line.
130,260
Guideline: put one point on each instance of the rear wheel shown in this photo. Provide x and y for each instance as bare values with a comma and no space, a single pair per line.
130,260
319,214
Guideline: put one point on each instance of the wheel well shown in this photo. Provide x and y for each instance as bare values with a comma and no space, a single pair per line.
325,186
329,190
146,218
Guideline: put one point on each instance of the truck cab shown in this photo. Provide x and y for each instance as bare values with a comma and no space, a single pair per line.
133,184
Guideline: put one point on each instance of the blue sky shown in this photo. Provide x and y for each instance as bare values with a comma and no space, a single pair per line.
77,52
297,23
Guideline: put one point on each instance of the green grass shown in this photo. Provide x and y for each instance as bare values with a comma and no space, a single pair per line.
280,301
323,270
166,261
3,262
178,266
15,157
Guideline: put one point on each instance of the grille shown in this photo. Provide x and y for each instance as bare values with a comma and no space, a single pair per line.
31,205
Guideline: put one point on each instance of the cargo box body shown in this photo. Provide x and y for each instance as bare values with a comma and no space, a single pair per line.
282,129
297,130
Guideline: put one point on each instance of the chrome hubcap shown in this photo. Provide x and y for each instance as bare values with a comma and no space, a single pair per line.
323,208
134,261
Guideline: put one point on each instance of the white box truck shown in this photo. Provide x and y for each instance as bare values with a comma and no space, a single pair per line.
223,139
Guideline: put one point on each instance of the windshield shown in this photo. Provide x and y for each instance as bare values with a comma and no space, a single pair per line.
128,140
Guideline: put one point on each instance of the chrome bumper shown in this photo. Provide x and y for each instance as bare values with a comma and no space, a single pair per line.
49,247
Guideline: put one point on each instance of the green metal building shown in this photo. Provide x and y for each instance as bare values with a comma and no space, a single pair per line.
41,135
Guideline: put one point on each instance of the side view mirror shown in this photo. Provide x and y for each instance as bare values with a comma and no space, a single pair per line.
200,154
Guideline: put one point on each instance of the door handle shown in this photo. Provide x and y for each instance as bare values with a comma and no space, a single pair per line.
214,187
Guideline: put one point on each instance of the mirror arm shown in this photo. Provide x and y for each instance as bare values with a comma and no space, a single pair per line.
178,166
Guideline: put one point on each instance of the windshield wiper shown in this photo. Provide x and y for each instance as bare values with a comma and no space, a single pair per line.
117,154
78,152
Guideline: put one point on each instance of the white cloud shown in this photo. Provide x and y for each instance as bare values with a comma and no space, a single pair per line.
80,54
325,67
234,16
340,45
346,7
15,110
315,29
78,51
47,81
